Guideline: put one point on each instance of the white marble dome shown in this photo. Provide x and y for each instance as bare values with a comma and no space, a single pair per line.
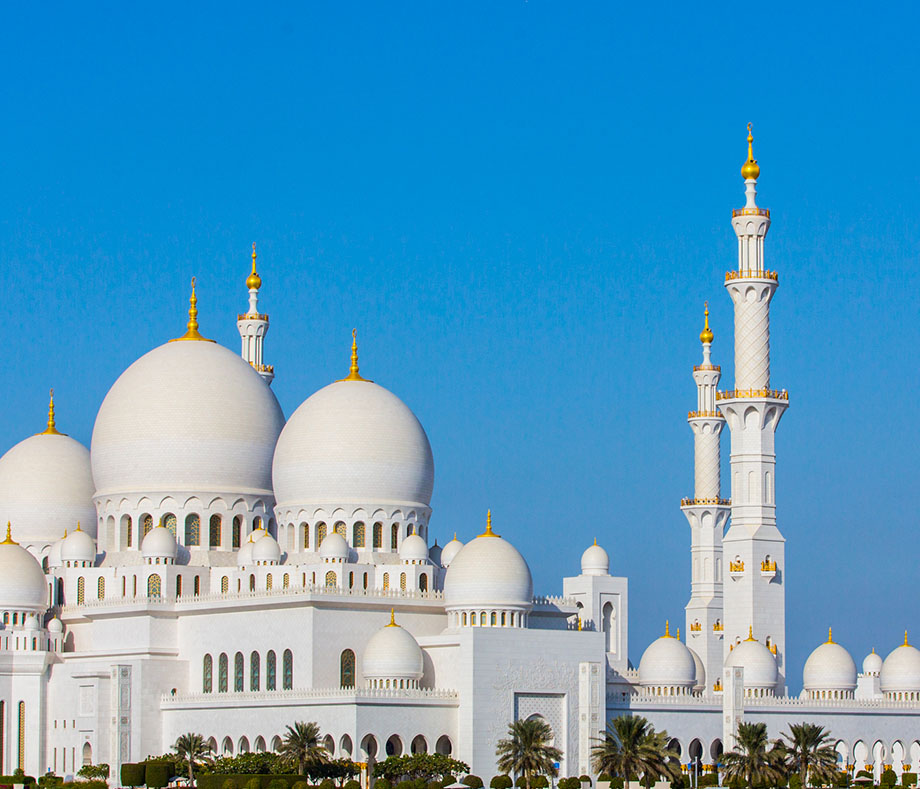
266,550
449,552
595,561
759,664
78,546
414,550
434,554
901,670
872,664
159,543
54,553
353,442
392,654
22,582
829,668
55,626
187,416
334,548
46,487
488,573
699,684
667,662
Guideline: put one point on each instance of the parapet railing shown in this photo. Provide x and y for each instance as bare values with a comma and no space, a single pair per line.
756,273
775,394
311,693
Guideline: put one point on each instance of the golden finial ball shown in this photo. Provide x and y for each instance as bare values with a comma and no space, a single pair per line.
706,335
253,281
750,169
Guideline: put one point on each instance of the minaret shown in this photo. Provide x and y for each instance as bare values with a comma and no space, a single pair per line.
253,326
753,546
707,513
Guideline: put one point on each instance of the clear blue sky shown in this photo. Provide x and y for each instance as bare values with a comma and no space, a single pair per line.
521,206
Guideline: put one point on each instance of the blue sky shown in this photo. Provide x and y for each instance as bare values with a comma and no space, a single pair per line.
521,206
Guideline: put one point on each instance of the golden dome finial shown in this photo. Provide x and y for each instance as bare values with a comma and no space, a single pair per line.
667,629
9,536
750,169
78,525
51,430
353,374
488,532
905,639
830,635
706,335
750,633
678,634
192,330
253,281
392,618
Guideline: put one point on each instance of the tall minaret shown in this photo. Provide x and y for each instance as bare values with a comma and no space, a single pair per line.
707,514
253,326
753,546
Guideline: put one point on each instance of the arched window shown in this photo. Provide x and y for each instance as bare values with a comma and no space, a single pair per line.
238,672
214,525
305,534
287,670
320,534
237,531
423,582
386,581
252,583
192,530
493,621
330,579
256,523
147,520
268,581
178,586
358,541
222,673
100,588
402,581
169,521
207,674
196,588
127,530
351,580
341,529
254,666
270,670
347,669
394,536
286,580
473,618
409,530
378,535
224,584
154,586
22,735
81,590
87,754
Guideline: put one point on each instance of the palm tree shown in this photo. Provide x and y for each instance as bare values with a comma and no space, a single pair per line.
527,750
810,753
302,748
752,760
631,746
193,749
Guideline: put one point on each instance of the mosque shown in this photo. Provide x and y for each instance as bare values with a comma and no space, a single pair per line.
209,566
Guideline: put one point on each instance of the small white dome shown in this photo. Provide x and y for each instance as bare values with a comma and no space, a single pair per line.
901,670
22,582
829,667
758,662
353,442
55,626
872,665
46,486
189,416
488,572
595,561
334,547
449,552
266,550
699,684
54,553
160,543
434,554
78,546
413,549
32,623
667,662
393,653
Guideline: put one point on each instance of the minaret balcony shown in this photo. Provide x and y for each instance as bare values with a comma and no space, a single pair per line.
752,211
718,627
768,569
695,628
713,367
263,368
705,502
705,414
772,394
736,569
252,316
756,273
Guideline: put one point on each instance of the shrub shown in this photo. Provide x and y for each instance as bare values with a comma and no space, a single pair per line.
708,779
382,783
888,778
253,783
569,783
473,781
156,775
18,777
300,785
429,785
908,779
351,783
94,771
132,774
539,782
277,783
501,782
603,777
49,780
680,782
228,783
92,783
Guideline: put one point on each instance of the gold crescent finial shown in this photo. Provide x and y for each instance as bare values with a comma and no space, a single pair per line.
353,374
192,326
51,430
706,335
750,169
9,536
253,281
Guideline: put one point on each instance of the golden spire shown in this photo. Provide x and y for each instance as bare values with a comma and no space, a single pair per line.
667,629
678,634
192,332
750,169
595,540
750,634
706,334
78,525
353,374
9,537
830,635
51,430
253,281
488,532
905,639
392,618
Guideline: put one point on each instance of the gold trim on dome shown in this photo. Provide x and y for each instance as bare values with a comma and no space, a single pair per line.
353,374
488,532
9,536
51,430
253,281
192,331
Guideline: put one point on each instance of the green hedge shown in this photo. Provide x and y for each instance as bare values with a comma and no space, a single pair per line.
908,779
501,782
569,783
132,774
473,781
249,781
383,783
708,779
16,779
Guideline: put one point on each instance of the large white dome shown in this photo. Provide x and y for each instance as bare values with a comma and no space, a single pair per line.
758,662
22,582
901,670
488,572
667,662
187,416
393,654
46,487
829,667
353,442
